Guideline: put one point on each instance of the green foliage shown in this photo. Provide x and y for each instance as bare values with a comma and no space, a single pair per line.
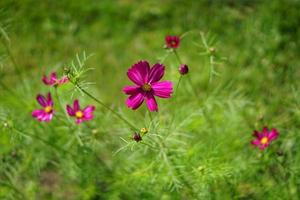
243,58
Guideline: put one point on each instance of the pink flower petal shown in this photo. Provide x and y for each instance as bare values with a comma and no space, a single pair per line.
131,89
41,100
63,80
256,142
88,110
151,102
138,73
49,100
265,132
70,111
257,134
76,105
163,89
156,73
273,134
134,101
37,113
79,120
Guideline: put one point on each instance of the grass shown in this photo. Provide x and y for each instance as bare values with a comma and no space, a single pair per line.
198,146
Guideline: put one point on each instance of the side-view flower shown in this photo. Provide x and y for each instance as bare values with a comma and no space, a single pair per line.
264,138
53,80
81,115
172,41
47,112
147,85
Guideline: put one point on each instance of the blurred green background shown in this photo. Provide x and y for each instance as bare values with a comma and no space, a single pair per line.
208,145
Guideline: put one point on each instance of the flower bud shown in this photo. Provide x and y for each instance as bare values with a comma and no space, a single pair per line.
137,137
143,131
183,69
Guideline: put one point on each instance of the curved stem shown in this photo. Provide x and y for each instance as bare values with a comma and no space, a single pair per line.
106,107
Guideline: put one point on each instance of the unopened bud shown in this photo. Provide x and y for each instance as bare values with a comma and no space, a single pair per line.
137,137
212,50
183,69
143,131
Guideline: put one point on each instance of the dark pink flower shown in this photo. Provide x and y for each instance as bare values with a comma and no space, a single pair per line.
52,80
183,69
264,139
81,115
172,41
47,112
147,85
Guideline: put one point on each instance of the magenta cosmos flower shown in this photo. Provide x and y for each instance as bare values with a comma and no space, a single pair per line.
172,41
81,115
52,80
264,139
147,85
47,112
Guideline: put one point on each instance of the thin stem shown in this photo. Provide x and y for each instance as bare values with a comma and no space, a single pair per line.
6,43
177,56
61,106
192,86
177,86
150,116
106,107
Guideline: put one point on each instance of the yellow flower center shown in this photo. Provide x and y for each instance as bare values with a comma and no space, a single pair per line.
79,114
48,109
146,87
264,140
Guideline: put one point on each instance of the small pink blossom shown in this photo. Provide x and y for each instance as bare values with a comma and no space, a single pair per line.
81,115
47,112
172,41
147,85
53,81
264,139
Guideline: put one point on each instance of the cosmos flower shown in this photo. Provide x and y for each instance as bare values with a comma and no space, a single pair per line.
47,112
183,69
81,115
52,80
172,41
264,139
147,85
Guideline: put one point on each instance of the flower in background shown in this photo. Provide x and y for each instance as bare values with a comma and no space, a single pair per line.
52,80
81,115
172,41
183,69
264,139
147,85
47,112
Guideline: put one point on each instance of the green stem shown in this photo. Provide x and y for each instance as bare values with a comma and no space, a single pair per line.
177,86
177,56
106,107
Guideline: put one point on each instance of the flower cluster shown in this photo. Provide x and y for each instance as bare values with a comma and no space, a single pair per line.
148,85
47,112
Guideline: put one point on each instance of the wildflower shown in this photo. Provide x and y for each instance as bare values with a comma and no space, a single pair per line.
137,137
172,41
52,80
183,69
147,85
47,112
264,139
81,115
